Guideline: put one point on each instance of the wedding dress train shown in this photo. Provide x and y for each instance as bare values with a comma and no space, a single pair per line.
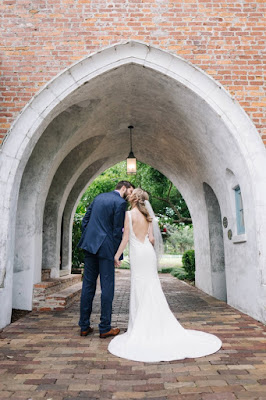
153,333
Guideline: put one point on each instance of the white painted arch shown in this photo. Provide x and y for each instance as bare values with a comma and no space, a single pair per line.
158,78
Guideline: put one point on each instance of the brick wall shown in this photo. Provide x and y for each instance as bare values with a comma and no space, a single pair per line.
40,38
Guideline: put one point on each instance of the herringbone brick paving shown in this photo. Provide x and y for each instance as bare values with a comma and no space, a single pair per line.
43,356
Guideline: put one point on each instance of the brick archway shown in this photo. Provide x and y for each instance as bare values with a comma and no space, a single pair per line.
189,128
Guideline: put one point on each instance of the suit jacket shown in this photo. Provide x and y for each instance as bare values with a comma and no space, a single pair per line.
102,225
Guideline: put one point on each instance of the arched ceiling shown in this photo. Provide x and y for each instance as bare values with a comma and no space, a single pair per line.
174,128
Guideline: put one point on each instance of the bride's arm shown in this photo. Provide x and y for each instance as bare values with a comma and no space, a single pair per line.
150,233
124,241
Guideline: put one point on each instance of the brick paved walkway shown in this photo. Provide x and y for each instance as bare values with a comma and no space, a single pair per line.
43,356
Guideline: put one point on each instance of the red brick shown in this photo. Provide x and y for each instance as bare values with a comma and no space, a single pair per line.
39,381
218,396
39,42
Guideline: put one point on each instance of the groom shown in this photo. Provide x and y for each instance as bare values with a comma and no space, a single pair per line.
101,235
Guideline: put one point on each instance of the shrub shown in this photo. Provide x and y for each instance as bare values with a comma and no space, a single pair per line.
179,273
188,261
166,270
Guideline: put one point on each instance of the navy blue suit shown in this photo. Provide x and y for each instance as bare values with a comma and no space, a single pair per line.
101,235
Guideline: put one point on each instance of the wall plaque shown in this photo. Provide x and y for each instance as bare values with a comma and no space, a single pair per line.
225,222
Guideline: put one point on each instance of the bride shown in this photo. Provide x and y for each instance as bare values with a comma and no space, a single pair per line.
153,332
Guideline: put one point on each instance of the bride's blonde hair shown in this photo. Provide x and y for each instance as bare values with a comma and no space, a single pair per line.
137,199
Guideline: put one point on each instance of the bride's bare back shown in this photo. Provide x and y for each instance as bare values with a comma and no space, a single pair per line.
141,228
139,224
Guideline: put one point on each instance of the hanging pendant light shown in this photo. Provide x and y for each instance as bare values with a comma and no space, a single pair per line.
131,159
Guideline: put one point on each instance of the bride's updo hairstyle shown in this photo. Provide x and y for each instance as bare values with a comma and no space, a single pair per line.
137,199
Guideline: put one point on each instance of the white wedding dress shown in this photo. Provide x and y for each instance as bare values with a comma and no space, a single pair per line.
153,333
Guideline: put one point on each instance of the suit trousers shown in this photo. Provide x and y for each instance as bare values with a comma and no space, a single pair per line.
93,266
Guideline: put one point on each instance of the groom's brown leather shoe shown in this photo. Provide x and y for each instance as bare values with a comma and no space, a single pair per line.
112,332
87,332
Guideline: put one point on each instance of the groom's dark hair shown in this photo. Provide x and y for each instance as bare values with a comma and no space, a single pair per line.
127,184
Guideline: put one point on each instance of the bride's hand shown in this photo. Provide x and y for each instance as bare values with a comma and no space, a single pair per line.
117,262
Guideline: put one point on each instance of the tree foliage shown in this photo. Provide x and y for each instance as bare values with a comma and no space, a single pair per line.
179,239
164,196
165,199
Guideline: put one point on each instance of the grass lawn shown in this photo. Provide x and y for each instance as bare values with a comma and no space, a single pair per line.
167,261
171,261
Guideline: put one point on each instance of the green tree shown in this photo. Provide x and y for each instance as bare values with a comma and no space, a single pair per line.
166,200
164,196
179,239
